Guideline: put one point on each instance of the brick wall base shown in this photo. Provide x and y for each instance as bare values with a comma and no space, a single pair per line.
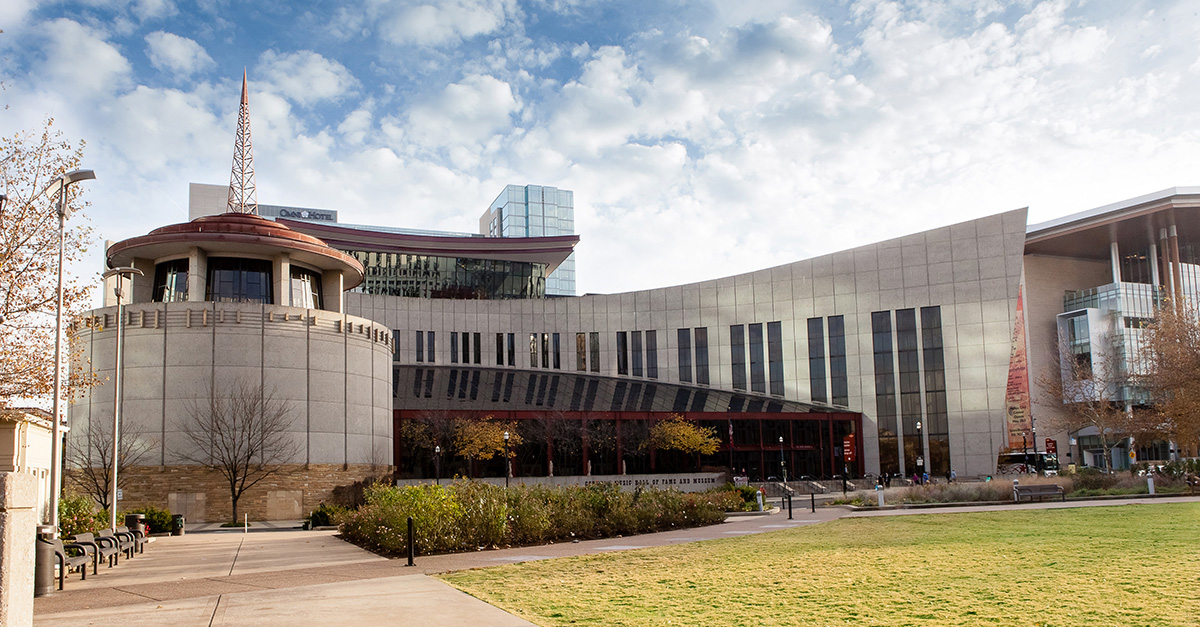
202,495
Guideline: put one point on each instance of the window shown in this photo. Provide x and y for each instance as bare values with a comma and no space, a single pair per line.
499,349
907,350
454,347
581,351
420,346
533,350
936,413
636,344
652,354
557,352
511,338
622,353
170,281
885,391
594,350
702,355
545,350
466,347
837,361
233,280
737,344
306,288
429,348
478,348
396,345
775,356
685,354
816,360
758,379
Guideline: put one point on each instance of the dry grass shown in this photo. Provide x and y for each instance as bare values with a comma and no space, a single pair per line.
1120,565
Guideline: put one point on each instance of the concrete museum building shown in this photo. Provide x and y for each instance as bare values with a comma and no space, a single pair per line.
910,355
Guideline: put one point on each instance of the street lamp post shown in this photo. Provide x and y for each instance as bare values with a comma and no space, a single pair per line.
62,183
920,451
120,273
1037,462
507,469
437,465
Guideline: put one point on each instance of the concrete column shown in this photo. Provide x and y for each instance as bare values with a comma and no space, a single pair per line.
1165,249
1176,265
197,278
332,288
18,530
1114,254
1153,256
283,279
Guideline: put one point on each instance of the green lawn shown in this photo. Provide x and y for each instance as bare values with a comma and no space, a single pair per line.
1119,565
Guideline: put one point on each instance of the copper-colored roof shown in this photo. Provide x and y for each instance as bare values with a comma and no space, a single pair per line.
550,250
231,234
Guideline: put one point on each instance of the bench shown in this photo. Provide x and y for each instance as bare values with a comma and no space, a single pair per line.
100,550
123,541
68,562
1193,483
1040,490
137,536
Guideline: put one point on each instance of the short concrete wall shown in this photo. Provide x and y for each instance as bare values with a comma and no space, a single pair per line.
18,530
684,482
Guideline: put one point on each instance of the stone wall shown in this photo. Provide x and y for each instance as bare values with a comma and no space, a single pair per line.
202,495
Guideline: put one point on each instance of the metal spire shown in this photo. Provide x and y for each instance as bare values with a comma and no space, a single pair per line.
241,183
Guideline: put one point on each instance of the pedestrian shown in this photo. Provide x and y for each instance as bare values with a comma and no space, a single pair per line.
887,480
953,476
924,478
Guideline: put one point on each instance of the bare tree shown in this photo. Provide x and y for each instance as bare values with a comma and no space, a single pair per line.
242,434
90,458
1171,359
1090,389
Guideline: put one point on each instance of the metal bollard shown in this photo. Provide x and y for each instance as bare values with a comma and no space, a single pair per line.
789,498
411,542
1150,483
879,491
812,497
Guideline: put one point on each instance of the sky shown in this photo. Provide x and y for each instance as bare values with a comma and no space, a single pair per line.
701,138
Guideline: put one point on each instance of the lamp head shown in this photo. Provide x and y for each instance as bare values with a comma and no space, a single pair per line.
505,436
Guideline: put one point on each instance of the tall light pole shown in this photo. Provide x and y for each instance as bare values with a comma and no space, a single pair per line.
120,273
437,465
61,185
507,470
782,463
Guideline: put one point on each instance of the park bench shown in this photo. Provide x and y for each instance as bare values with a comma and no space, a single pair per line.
1193,483
67,562
137,537
123,541
1040,490
100,550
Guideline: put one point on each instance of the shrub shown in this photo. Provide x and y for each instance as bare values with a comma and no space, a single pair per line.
325,516
157,520
77,514
469,514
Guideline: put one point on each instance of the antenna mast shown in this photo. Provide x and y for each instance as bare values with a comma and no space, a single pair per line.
242,198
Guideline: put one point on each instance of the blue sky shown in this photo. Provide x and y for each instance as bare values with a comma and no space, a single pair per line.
701,138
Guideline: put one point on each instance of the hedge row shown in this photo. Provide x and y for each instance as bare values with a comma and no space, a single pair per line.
468,515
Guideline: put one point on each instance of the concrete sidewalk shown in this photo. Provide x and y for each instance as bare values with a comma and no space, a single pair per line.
281,577
285,577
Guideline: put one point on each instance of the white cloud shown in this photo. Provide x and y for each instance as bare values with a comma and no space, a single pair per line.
439,23
81,58
466,112
171,53
14,12
305,77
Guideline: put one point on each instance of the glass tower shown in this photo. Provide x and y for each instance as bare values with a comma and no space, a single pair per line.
535,211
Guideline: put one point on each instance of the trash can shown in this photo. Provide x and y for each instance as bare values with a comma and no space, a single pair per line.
44,561
136,522
177,525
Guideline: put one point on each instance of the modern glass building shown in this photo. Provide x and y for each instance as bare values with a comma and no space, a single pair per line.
535,211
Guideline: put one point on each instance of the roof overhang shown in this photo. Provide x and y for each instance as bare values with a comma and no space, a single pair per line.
550,250
1133,224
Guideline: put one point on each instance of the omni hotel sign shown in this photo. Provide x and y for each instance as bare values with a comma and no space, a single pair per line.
294,213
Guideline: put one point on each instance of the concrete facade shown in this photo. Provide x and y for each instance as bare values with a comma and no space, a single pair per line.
971,271
18,529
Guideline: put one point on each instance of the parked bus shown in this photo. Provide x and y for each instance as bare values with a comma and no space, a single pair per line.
1027,463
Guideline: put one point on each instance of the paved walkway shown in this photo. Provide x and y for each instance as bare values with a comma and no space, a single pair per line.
285,577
